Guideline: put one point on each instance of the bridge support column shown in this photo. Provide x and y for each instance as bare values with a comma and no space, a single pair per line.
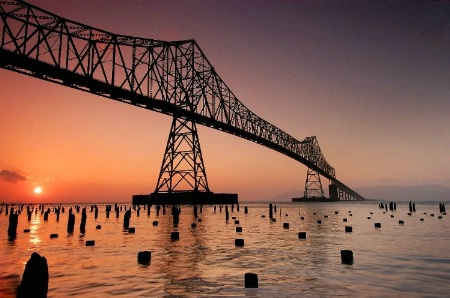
333,191
182,178
313,185
182,167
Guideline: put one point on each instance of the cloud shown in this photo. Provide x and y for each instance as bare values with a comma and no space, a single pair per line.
50,180
11,177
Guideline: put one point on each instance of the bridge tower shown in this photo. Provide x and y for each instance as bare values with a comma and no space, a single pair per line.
182,167
313,185
182,177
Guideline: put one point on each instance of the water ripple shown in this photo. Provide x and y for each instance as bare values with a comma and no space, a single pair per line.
397,260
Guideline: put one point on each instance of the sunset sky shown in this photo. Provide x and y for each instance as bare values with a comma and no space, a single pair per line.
370,79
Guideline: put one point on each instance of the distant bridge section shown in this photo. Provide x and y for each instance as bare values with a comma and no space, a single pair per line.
173,78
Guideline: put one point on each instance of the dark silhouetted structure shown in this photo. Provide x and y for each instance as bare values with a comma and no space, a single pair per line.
71,222
144,257
251,280
12,227
347,256
126,219
83,221
35,278
170,77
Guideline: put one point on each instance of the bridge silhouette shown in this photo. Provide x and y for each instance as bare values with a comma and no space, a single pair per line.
170,77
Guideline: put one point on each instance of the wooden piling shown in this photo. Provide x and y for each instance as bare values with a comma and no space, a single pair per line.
126,219
251,280
347,256
144,257
71,223
35,278
175,236
239,242
83,221
12,228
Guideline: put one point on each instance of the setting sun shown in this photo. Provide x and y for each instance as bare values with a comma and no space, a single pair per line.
37,190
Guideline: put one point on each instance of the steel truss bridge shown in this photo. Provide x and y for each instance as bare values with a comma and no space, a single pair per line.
170,77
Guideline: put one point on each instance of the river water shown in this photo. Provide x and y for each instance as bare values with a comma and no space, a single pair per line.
408,260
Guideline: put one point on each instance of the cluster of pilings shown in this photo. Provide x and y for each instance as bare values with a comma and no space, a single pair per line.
144,257
347,255
72,211
392,206
14,210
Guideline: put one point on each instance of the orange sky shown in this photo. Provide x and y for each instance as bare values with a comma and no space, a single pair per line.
370,81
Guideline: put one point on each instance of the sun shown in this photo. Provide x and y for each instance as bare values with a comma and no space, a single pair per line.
38,190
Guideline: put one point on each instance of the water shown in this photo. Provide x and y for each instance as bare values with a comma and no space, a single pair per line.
410,260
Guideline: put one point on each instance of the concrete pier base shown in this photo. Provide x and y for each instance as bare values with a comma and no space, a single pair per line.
185,198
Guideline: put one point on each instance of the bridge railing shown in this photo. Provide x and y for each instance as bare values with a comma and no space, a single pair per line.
174,78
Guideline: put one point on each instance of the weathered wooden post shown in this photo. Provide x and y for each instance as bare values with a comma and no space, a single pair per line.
195,211
71,223
35,278
12,228
83,221
144,257
176,215
251,280
126,219
347,256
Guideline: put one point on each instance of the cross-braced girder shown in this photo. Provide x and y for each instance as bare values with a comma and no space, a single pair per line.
174,78
313,185
182,168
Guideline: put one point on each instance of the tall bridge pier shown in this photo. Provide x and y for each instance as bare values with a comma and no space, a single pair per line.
182,178
314,190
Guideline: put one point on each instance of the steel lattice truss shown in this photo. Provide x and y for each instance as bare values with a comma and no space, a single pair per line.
173,78
182,167
313,185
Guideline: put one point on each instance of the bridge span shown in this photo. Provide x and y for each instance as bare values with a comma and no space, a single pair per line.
170,77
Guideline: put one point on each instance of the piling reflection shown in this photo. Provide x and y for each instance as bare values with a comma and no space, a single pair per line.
181,257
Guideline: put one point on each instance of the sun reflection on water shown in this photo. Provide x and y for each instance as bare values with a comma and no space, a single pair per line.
35,238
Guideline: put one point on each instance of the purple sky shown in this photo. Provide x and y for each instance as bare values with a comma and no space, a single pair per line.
370,79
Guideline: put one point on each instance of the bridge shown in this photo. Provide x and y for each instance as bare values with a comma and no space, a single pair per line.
170,77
